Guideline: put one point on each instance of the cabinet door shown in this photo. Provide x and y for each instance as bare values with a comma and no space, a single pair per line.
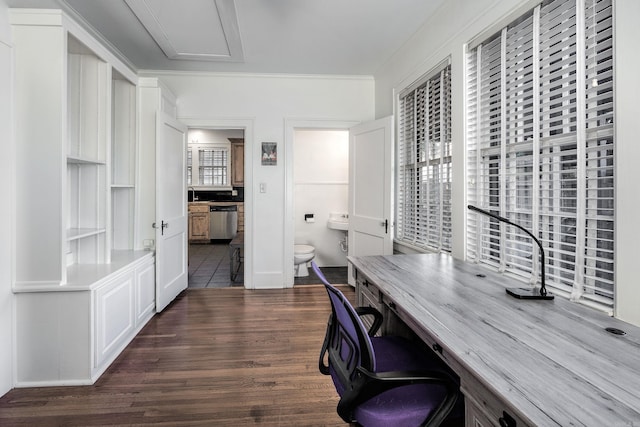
199,226
114,316
237,164
145,292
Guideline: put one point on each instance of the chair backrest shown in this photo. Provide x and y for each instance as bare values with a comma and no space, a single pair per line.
352,366
349,345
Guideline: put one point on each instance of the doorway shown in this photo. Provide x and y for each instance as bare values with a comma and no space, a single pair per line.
319,188
216,205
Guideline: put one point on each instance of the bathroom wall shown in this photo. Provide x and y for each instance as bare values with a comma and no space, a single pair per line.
321,184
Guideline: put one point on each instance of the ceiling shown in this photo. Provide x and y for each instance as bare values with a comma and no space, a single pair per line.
342,37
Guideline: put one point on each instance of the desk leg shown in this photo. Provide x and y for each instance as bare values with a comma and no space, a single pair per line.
235,260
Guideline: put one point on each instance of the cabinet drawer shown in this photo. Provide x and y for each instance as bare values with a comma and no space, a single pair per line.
199,208
484,406
474,417
369,294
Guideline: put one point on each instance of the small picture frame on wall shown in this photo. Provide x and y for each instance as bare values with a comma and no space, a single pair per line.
269,154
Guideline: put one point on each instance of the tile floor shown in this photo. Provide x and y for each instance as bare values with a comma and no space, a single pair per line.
209,268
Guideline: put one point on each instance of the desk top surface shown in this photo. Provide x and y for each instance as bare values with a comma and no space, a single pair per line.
237,241
551,361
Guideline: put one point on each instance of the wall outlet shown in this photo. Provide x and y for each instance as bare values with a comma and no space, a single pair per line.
148,244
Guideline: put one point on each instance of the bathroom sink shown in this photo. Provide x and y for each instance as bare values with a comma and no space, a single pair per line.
338,221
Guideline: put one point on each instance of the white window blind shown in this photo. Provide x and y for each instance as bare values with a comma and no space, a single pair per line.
208,165
424,163
213,166
540,147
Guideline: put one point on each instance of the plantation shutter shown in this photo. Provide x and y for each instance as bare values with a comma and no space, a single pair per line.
541,147
423,217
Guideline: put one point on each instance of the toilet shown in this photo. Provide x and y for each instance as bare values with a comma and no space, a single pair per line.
302,254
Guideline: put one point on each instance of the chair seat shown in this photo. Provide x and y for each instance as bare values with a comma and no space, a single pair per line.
406,406
403,406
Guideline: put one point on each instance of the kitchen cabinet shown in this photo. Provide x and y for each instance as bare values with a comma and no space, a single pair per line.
77,282
240,217
198,223
199,219
237,162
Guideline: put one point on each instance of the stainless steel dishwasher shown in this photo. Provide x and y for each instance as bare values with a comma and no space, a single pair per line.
223,222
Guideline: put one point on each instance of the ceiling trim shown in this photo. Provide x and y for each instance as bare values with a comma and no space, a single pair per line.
229,20
82,23
226,11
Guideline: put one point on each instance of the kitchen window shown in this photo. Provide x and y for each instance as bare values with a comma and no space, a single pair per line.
208,166
540,148
423,180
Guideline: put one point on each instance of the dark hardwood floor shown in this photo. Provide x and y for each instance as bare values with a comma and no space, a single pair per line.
215,357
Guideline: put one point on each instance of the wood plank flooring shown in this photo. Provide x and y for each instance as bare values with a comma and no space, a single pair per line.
215,357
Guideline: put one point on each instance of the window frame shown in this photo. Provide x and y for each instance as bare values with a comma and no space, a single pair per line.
193,167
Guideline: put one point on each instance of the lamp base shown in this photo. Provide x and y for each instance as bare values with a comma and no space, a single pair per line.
528,293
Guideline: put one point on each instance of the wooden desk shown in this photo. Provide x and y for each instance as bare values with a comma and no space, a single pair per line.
544,363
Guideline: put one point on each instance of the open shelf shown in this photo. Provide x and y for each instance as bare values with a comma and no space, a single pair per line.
84,161
81,233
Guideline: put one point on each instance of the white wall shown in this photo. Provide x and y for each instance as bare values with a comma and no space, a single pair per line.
321,186
458,22
212,136
7,205
269,101
627,234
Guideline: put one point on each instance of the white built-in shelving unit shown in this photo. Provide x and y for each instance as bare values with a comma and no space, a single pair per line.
82,289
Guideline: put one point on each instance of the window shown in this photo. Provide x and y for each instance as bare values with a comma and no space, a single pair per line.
208,165
424,163
540,147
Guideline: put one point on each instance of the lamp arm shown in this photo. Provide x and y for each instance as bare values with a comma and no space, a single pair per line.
543,288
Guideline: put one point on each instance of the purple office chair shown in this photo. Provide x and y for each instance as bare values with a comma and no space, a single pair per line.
383,381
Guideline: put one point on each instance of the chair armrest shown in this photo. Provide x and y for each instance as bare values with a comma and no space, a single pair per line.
323,367
377,318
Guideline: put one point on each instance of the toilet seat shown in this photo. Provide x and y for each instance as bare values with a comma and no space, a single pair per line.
303,249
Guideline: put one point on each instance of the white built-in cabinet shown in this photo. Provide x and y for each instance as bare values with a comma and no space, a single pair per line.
82,289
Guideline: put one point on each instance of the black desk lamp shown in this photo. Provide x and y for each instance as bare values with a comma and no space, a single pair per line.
523,293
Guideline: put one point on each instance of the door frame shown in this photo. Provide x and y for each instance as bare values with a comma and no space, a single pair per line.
247,125
291,125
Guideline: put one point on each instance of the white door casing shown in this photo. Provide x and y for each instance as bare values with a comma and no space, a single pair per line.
370,186
171,210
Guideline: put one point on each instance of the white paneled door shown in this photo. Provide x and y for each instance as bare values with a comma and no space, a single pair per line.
171,210
370,161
